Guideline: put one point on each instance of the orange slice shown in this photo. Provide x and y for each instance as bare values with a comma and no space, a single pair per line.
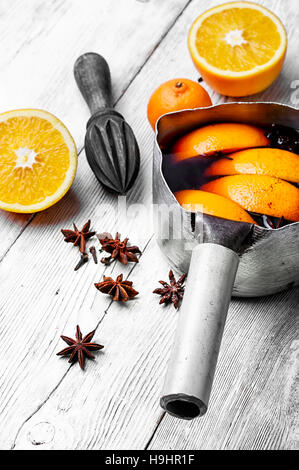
238,47
38,160
262,161
259,193
224,137
212,204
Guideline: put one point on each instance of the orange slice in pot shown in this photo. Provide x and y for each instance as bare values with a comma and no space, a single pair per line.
38,160
212,204
259,193
224,137
261,161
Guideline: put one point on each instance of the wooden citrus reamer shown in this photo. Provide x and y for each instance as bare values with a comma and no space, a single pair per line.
110,145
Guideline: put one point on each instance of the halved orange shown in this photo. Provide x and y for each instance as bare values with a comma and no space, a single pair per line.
259,193
224,137
212,204
261,161
238,47
38,160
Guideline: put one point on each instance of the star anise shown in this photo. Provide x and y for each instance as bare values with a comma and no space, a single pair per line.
120,290
173,292
79,348
118,249
78,237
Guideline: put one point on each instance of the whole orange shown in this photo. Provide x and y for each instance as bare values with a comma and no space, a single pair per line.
175,95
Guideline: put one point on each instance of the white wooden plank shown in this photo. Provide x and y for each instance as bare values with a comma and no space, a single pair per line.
115,403
255,395
47,285
41,42
254,403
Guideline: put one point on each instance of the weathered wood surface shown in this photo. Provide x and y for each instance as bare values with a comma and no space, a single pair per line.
40,43
114,404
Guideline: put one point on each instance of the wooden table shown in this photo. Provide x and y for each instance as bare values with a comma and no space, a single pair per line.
114,403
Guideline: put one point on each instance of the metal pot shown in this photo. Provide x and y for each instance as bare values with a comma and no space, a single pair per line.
223,258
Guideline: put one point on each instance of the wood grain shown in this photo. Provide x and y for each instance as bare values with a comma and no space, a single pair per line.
114,404
41,42
36,269
254,403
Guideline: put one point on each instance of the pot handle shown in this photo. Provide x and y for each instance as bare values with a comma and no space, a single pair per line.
190,373
93,78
